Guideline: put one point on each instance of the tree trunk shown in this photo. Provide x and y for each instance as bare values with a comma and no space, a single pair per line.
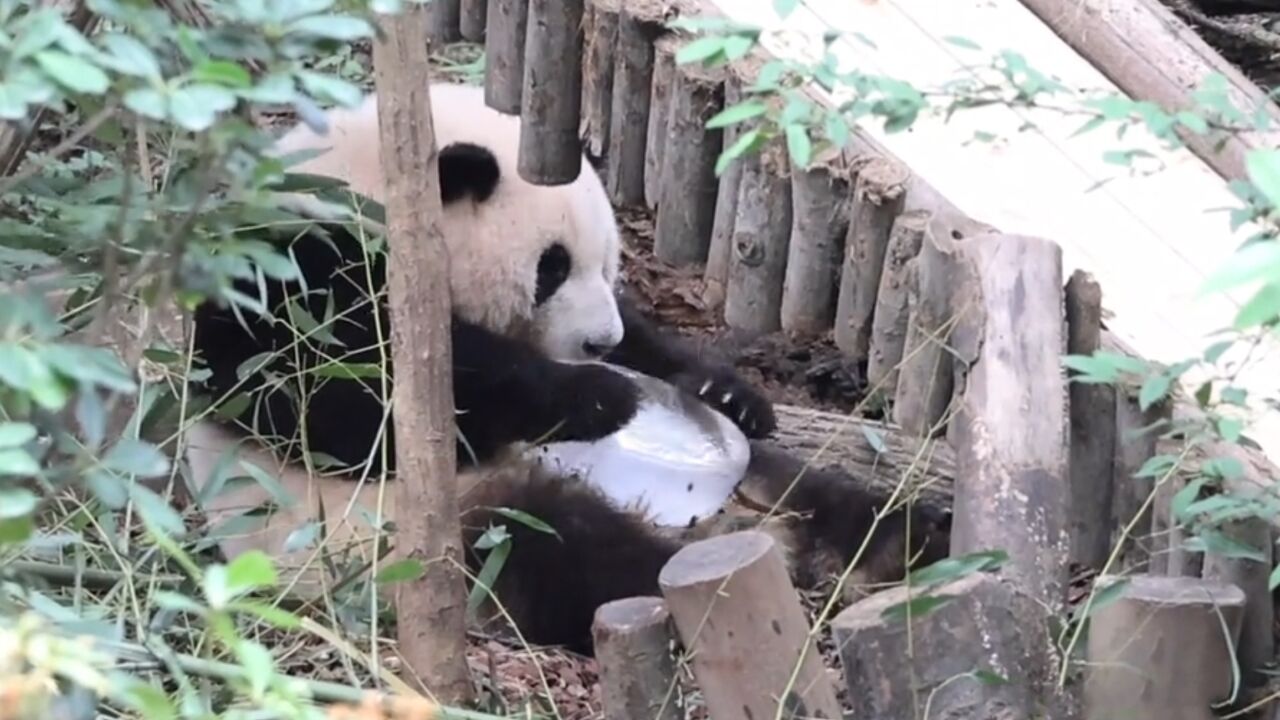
431,609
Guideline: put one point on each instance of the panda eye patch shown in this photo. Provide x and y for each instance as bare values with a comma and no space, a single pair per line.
553,270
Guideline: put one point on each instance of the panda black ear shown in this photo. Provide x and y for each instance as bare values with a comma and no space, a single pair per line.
467,169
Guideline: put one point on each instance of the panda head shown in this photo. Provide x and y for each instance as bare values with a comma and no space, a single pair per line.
539,262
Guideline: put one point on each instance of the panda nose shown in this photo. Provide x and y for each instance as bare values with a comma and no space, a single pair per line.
595,349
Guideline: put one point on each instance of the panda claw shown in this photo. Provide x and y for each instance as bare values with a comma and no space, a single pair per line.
724,399
702,391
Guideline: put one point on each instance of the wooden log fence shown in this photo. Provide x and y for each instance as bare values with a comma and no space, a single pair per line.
961,329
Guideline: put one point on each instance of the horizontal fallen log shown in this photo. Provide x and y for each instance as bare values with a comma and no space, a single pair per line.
877,455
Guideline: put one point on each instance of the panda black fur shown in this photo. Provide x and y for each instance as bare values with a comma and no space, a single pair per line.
534,284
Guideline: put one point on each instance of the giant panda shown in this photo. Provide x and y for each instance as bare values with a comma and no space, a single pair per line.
536,296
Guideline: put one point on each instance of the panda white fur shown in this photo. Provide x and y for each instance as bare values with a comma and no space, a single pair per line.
534,282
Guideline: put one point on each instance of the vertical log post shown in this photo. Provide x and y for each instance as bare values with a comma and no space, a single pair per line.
633,71
889,328
474,16
1170,555
445,20
633,641
925,379
819,223
551,98
1159,651
663,78
1251,574
745,629
1011,424
1135,443
1256,647
1093,429
598,66
753,298
687,193
504,35
715,276
432,608
878,195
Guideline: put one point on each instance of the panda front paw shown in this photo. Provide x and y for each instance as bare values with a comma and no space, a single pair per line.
594,402
729,394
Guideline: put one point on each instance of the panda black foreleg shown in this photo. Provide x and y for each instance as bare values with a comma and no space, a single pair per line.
835,515
506,391
551,585
647,349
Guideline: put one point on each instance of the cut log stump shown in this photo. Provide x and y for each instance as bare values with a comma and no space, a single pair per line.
1162,649
688,185
892,318
634,639
985,625
732,600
